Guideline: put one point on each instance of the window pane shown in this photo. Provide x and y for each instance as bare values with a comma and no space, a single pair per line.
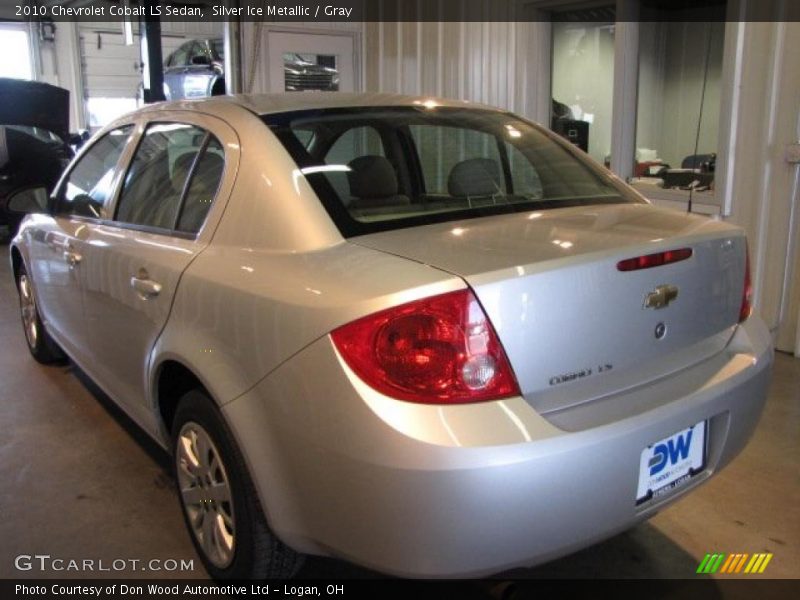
15,53
524,176
203,187
673,84
583,84
196,50
154,183
440,149
87,187
305,136
181,56
353,143
466,159
358,141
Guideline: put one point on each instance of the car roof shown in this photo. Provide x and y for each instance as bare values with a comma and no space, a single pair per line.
265,104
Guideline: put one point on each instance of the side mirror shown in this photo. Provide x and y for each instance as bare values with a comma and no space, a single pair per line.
84,206
78,139
28,200
201,59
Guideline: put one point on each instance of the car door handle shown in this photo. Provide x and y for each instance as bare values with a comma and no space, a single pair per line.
146,287
72,257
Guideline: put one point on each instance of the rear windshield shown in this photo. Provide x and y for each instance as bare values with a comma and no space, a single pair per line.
377,169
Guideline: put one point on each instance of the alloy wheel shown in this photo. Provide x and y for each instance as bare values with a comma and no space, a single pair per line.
206,494
27,304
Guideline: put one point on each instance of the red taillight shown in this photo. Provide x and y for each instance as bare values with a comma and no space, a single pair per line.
439,350
747,292
649,261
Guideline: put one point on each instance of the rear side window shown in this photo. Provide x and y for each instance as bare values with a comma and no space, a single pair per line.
180,57
382,168
168,184
196,50
88,185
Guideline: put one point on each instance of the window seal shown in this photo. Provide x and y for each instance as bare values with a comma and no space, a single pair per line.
502,151
133,227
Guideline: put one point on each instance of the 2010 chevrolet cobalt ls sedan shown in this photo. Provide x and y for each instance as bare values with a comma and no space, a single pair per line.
424,336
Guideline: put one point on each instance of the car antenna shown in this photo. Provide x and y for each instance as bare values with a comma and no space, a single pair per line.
700,115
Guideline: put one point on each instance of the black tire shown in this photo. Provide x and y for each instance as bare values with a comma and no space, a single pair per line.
257,552
43,348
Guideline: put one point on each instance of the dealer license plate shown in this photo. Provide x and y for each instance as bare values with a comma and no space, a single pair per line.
671,462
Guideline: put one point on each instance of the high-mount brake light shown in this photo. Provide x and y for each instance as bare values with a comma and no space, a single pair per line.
648,261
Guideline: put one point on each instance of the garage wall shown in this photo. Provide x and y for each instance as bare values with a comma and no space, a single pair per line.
760,101
91,60
792,294
110,68
497,63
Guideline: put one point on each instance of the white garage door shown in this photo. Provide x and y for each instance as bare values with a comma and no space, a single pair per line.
111,72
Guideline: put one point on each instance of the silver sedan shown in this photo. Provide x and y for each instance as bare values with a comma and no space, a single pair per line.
425,336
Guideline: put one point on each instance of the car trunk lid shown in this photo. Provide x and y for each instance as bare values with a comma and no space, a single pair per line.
575,327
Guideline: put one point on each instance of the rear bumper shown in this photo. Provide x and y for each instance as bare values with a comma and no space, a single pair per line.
467,490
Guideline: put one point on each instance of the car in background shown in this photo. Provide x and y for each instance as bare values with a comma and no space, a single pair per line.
426,336
196,70
35,144
302,75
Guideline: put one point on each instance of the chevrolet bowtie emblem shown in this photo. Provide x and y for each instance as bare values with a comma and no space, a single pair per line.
661,296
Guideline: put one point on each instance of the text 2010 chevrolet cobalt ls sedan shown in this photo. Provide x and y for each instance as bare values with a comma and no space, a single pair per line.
424,336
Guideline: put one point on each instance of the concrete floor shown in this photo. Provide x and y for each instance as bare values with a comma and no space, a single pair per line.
81,481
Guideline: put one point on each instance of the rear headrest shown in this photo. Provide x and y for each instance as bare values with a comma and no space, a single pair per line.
371,177
474,177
